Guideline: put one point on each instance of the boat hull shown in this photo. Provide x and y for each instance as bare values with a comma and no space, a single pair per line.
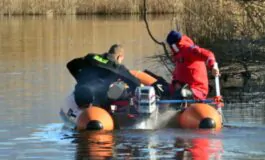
189,118
193,116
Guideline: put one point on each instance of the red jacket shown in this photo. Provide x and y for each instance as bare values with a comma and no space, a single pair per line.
190,68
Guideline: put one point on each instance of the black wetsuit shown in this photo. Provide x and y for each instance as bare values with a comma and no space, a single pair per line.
94,74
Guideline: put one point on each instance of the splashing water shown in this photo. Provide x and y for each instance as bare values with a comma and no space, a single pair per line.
156,121
165,117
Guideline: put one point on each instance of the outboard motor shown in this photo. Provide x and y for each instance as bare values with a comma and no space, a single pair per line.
145,100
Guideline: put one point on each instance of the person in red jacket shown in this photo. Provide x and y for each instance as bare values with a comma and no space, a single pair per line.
191,62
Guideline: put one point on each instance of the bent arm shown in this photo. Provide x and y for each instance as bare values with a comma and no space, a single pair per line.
128,78
205,55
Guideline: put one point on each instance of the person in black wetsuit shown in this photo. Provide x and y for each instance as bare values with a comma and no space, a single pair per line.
95,74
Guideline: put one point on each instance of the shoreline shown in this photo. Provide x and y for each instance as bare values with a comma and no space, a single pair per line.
92,14
91,7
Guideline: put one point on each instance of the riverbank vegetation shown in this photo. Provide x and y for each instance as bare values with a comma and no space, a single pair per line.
81,7
235,32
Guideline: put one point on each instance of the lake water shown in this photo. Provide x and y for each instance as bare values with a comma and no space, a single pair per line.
34,83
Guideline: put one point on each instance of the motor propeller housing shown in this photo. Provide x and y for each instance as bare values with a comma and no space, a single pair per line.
145,98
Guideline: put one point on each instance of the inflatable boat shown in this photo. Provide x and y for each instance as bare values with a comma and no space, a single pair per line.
143,111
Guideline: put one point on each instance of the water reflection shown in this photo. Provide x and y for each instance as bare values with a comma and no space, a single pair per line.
199,149
94,145
203,145
230,143
147,145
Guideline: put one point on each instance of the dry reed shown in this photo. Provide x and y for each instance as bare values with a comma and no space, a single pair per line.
37,7
239,25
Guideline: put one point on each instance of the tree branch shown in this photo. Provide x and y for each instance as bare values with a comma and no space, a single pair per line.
153,38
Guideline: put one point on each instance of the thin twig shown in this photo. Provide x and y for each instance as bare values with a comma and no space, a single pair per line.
154,39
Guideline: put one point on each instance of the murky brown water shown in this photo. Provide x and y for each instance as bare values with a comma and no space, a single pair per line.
34,82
